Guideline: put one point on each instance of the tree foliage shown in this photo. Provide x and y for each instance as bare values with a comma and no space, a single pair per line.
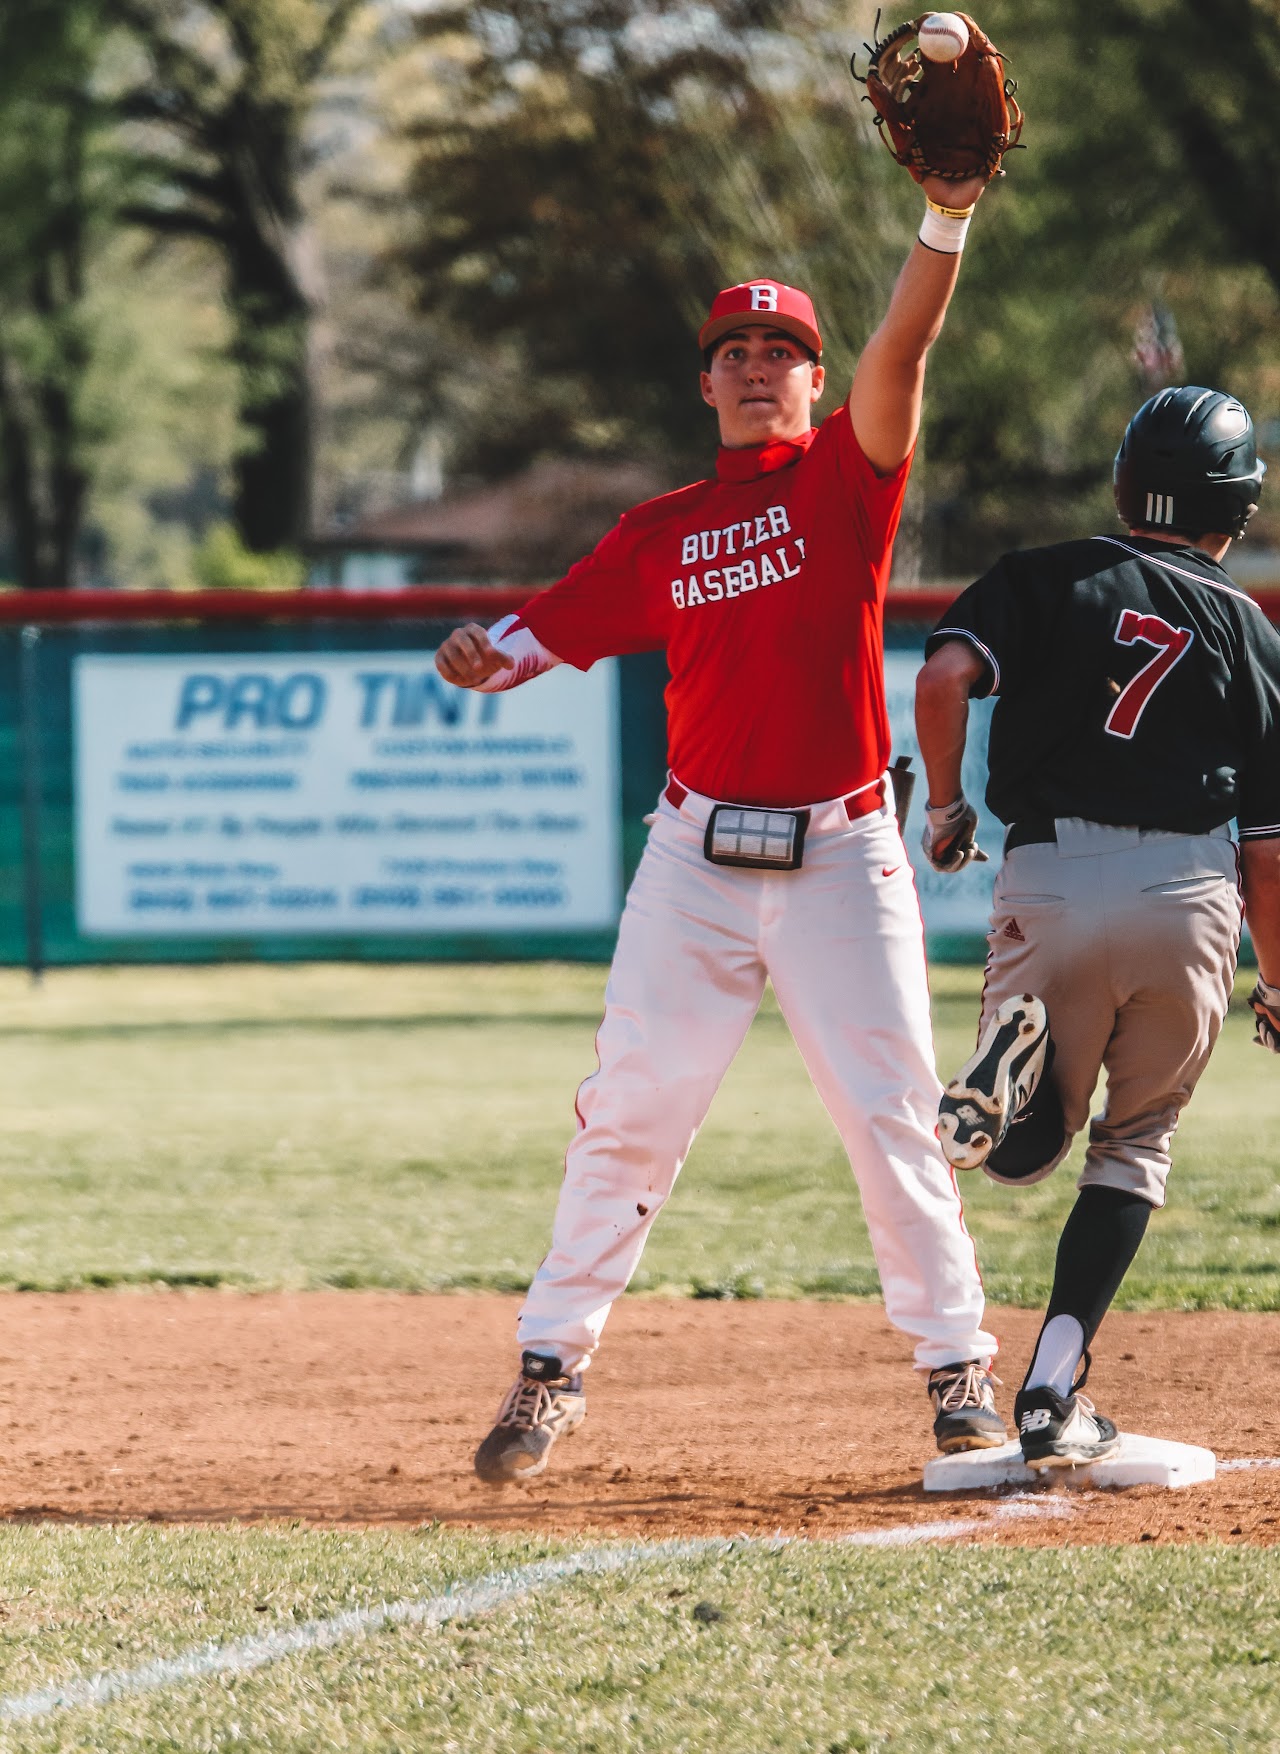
55,190
588,176
579,178
1108,211
220,111
1212,76
568,207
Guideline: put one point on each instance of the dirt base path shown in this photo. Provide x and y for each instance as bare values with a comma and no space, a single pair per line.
706,1418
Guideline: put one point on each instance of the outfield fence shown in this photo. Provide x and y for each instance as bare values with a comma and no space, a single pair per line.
209,776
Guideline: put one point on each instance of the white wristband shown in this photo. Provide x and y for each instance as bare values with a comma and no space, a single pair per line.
1269,995
531,657
945,228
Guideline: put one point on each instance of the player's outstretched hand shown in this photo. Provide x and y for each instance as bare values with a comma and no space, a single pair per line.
948,836
1265,1000
954,194
468,657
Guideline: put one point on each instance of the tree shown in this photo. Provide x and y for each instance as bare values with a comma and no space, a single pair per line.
1211,76
590,171
221,109
578,196
1103,215
53,177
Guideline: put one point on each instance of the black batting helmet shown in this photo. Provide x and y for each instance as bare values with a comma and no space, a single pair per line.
1189,463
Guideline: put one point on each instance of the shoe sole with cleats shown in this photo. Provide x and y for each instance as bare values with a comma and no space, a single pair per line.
985,1094
968,1437
1072,1455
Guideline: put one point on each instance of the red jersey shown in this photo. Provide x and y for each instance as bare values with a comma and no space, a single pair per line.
765,588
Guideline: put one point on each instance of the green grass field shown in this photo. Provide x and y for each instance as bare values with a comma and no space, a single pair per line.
406,1126
806,1649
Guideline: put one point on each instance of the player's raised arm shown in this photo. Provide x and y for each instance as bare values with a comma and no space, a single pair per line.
947,113
888,386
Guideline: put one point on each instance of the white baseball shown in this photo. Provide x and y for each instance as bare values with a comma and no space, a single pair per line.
944,36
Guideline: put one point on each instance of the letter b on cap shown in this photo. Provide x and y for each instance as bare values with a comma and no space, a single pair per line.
764,298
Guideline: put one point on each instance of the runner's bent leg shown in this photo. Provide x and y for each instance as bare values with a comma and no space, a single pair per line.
1170,914
1173,912
1044,939
845,952
686,981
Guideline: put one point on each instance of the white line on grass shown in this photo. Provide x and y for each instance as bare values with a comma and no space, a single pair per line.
909,1534
456,1603
459,1602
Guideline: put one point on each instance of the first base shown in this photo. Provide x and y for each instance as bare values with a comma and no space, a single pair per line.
1140,1461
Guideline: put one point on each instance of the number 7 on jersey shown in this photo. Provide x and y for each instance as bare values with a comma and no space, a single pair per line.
1170,643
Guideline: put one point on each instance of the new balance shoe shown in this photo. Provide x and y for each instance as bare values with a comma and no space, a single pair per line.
965,1407
1061,1431
1000,1078
542,1405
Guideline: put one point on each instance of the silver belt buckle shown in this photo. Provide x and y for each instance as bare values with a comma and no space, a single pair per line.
758,840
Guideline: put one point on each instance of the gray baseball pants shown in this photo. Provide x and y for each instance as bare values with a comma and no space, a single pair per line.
1130,937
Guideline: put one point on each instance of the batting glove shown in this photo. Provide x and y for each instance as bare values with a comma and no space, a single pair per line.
1265,1000
948,835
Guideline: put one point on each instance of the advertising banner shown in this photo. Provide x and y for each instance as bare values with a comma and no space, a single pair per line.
347,793
958,905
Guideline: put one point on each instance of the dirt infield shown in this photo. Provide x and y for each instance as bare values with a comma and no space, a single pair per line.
355,1407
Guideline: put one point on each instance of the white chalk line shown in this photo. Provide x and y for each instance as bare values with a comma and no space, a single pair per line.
1248,1462
246,1654
459,1602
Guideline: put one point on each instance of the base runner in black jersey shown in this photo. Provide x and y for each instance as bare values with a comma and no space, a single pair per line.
1137,718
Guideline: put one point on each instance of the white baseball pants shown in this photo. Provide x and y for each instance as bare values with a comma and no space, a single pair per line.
843,943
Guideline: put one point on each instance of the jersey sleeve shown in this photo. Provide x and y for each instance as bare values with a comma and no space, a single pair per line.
1258,683
599,609
987,616
875,501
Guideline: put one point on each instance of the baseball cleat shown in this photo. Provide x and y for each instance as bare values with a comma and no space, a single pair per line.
985,1095
1061,1431
965,1405
541,1405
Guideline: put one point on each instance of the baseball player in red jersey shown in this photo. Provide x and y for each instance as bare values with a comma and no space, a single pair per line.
774,852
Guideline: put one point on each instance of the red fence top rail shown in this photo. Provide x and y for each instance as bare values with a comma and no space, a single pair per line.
433,603
424,603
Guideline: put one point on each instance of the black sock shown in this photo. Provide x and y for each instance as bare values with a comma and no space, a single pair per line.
1099,1240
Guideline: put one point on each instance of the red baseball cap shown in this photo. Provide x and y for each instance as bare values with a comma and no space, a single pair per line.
767,302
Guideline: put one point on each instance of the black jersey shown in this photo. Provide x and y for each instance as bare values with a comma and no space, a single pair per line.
1137,685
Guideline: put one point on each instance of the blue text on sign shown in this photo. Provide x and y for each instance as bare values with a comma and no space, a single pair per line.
294,703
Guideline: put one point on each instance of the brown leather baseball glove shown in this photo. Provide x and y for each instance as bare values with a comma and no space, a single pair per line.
953,119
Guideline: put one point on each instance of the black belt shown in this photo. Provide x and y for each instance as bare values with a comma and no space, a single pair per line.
1029,832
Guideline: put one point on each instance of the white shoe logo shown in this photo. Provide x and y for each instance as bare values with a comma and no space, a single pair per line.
1036,1420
